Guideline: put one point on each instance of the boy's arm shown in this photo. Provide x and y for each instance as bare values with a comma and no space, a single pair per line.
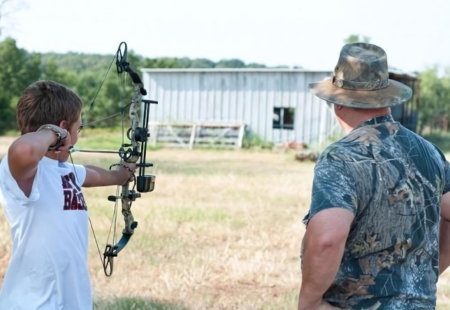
444,234
25,153
96,176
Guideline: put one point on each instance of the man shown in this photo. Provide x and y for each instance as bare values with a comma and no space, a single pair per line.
44,205
378,229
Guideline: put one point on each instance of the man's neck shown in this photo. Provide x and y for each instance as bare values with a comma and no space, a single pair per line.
353,118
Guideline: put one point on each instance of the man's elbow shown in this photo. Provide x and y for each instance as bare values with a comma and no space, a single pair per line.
327,243
329,229
332,242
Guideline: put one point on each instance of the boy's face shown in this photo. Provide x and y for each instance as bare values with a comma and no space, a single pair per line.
73,131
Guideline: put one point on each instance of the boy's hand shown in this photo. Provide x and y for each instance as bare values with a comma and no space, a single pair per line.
126,171
67,144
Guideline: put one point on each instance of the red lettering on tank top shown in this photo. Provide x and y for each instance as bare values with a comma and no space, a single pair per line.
73,196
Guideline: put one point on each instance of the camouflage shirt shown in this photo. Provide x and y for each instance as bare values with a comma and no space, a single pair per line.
392,180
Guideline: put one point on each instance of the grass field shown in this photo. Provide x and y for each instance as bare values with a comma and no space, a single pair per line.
221,230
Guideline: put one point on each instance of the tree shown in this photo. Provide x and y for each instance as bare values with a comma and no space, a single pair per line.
255,65
51,71
230,63
19,69
434,96
82,73
202,63
354,38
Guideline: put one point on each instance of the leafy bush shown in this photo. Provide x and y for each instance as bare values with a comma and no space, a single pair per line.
252,140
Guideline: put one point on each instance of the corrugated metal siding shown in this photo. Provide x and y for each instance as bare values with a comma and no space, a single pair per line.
247,96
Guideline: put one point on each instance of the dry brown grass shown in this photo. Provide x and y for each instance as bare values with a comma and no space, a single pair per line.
221,230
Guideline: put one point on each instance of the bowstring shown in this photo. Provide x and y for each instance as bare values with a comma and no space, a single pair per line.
89,217
102,119
121,82
90,124
113,221
114,217
98,92
103,82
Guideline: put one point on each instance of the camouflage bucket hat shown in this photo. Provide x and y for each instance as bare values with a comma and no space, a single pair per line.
361,80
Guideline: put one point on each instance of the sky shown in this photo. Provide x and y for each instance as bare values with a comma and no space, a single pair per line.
415,34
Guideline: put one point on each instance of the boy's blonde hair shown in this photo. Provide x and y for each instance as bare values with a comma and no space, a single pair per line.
47,102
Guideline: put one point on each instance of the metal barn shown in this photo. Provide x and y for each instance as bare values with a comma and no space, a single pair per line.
274,104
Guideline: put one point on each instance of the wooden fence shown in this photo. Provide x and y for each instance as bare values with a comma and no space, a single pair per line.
197,134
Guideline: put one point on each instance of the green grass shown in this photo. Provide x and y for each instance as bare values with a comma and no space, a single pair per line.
105,139
180,215
216,164
253,141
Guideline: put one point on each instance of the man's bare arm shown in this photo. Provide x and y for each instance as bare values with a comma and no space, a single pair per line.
324,245
444,234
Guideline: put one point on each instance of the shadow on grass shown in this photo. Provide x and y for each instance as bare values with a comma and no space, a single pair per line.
130,303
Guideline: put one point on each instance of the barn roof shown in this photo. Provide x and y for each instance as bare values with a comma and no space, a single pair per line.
392,71
229,70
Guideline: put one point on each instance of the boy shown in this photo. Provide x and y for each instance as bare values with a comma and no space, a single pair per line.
44,205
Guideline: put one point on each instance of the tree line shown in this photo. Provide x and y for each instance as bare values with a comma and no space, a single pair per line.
83,73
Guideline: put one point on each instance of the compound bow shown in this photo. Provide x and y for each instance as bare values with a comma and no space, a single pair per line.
133,152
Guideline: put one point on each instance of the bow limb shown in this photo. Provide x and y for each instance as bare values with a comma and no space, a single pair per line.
127,197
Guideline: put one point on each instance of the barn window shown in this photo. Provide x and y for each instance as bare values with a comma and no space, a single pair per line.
283,118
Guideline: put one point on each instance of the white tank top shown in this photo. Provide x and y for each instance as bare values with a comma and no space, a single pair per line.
49,230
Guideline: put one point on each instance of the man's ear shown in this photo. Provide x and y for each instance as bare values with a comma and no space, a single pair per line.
63,125
337,108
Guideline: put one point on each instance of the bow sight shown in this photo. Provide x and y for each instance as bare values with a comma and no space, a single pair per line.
144,183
